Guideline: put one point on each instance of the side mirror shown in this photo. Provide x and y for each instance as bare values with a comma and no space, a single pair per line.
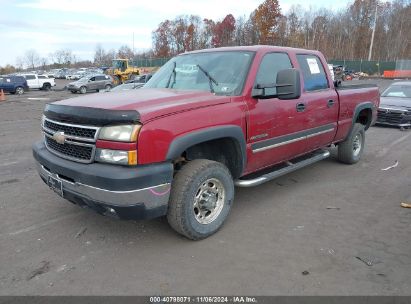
288,84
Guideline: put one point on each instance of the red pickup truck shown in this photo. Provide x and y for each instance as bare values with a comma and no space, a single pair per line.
206,121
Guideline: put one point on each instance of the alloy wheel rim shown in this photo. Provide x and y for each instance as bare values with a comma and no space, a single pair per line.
356,145
209,201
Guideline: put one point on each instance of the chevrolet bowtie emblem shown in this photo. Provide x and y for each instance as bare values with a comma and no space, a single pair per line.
59,137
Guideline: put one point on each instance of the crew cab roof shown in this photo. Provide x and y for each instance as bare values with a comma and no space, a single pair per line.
257,48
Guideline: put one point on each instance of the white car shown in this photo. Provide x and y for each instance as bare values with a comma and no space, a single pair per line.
41,82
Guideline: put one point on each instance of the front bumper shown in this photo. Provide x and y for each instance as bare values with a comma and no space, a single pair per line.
393,117
140,192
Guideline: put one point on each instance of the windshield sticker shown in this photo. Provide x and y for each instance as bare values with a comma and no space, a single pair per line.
313,65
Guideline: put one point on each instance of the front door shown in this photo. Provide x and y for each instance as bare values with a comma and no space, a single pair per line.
276,126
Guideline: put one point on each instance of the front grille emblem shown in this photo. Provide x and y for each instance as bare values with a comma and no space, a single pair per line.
59,137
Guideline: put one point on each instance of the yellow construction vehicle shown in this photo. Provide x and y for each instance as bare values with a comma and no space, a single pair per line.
122,71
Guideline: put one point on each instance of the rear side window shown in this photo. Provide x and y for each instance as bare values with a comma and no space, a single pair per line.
42,77
29,77
313,72
100,77
269,67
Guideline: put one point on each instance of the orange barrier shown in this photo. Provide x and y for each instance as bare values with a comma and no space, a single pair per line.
2,96
397,74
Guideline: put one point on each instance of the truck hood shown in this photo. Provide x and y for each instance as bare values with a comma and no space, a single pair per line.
396,103
149,103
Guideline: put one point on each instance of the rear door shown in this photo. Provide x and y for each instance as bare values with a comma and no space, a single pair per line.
32,81
320,101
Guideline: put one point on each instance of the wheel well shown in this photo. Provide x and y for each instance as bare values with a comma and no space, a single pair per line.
223,150
365,117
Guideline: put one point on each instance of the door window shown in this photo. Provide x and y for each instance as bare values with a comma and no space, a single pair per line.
30,77
269,67
313,71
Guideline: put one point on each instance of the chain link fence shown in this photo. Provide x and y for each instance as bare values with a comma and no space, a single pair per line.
370,67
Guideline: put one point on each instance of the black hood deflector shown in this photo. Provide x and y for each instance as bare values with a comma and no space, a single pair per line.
90,116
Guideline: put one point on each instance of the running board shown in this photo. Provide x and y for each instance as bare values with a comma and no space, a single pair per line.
290,167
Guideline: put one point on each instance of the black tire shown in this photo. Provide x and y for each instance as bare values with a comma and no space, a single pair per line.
74,92
348,151
46,87
19,91
107,87
186,187
83,90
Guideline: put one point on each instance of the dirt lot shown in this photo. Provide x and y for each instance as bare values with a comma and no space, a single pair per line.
322,219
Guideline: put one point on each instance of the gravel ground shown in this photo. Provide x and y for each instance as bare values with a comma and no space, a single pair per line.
328,229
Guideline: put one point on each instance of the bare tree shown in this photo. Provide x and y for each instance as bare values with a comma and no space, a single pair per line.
32,58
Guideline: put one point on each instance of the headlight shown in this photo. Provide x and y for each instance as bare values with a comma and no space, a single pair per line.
116,157
126,133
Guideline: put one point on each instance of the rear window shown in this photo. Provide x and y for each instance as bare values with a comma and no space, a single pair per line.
313,71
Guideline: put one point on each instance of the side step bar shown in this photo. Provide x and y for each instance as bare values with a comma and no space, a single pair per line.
319,155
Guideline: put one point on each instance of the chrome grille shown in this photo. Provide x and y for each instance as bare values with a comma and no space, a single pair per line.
70,130
79,144
390,116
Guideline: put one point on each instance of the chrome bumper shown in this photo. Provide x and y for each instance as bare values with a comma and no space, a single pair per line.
152,197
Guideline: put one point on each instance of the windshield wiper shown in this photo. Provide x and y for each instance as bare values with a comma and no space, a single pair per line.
173,73
211,80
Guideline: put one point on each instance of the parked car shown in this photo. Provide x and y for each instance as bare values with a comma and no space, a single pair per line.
41,82
127,87
143,78
91,83
395,106
13,84
177,147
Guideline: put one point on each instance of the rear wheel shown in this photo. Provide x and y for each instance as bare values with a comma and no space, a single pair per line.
19,91
107,87
350,150
83,90
201,199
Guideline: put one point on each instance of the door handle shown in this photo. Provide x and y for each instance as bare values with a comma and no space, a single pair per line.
300,107
330,103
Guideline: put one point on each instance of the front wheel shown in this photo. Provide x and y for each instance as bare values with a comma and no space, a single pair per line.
46,87
107,87
350,150
83,90
201,199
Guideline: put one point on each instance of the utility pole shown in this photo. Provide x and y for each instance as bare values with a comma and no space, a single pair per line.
373,32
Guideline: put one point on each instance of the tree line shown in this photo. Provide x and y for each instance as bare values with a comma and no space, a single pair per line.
342,34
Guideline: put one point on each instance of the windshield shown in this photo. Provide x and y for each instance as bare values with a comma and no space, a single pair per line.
118,64
221,72
402,91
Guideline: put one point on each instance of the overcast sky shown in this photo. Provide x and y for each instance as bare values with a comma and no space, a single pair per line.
48,25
